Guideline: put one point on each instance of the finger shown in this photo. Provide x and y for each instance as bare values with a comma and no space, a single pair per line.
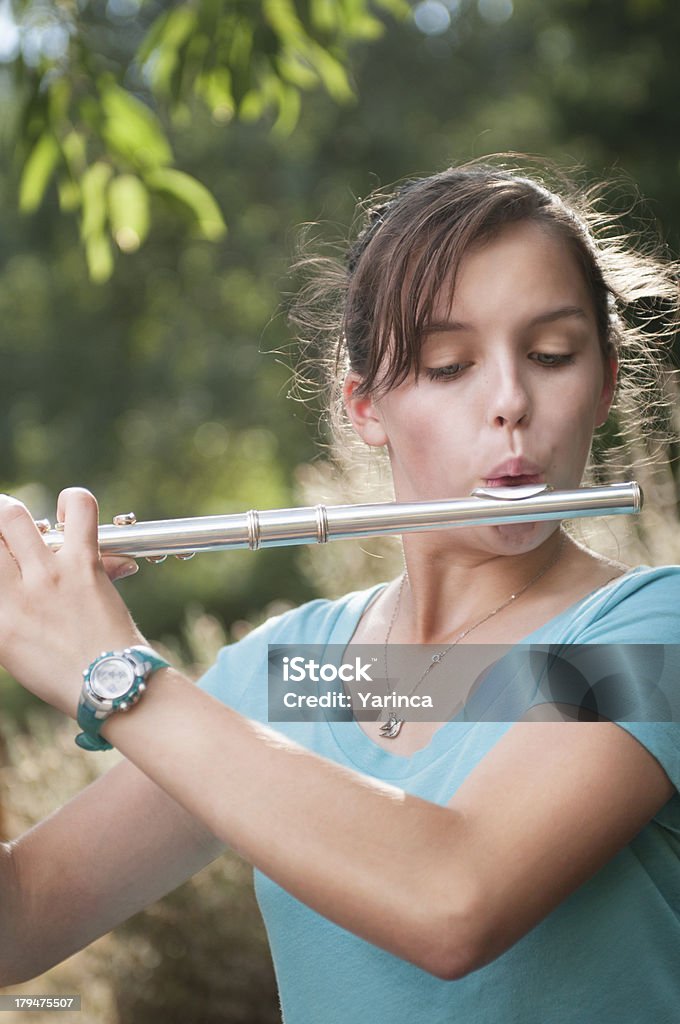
9,568
117,567
21,538
77,510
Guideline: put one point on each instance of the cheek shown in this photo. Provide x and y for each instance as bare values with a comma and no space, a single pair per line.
417,434
406,415
580,396
576,429
585,408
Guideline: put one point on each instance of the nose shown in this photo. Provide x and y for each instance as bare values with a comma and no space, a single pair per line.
509,399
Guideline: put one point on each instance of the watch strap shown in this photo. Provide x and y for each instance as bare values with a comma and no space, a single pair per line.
91,719
89,738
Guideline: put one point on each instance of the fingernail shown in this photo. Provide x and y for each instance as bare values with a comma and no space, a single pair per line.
127,570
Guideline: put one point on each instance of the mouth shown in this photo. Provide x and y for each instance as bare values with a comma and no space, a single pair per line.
517,471
515,481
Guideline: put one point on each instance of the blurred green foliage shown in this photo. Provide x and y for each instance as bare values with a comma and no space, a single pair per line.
89,78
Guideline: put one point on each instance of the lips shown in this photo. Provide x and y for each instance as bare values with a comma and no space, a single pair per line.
515,472
514,481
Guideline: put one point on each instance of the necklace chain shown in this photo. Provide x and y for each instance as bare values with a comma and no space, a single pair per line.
392,727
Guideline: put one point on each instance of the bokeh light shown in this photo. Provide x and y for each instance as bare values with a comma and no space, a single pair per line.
495,11
432,17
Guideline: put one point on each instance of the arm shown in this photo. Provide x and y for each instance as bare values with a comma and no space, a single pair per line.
52,901
410,876
9,899
448,888
548,807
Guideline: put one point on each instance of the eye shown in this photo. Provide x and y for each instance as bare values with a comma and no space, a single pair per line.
445,372
550,359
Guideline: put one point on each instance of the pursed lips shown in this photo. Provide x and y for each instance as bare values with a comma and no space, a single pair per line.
515,472
514,481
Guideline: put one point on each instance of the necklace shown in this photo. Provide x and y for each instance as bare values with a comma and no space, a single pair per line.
392,727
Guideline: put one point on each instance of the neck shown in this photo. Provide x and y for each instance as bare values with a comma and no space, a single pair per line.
446,594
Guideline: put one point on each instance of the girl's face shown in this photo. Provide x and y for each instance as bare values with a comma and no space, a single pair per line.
512,382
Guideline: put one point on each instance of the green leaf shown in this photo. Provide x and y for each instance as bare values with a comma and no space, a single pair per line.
178,26
161,68
192,194
38,170
240,44
161,48
365,27
194,56
93,221
75,152
128,211
133,131
152,38
289,110
215,89
93,192
331,72
69,195
282,17
325,14
296,71
58,99
99,257
252,106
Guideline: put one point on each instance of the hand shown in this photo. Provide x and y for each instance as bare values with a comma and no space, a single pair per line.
58,610
117,567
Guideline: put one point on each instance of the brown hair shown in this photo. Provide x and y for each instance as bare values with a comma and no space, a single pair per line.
413,239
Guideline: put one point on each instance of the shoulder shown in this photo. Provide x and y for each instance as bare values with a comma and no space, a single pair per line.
641,606
320,621
635,623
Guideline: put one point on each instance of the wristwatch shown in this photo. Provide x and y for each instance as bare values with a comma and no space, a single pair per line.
114,681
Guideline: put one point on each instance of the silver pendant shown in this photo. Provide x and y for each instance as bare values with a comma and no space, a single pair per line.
392,727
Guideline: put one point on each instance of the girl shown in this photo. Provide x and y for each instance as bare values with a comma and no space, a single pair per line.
458,871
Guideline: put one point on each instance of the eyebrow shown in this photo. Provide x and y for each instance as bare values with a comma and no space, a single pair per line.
439,326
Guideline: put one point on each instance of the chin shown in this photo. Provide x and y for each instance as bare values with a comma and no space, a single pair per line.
521,538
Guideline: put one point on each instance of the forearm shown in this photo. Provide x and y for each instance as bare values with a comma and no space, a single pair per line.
10,917
388,866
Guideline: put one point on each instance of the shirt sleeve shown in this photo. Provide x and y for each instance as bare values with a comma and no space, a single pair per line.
662,741
647,612
235,678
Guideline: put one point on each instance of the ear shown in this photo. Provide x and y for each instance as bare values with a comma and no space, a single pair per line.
362,412
611,371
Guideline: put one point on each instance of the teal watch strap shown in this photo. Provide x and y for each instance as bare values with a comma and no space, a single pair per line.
135,665
89,738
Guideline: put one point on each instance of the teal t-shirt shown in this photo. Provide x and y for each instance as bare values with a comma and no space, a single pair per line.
609,954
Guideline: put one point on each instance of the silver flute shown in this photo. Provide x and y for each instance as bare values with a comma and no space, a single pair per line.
318,524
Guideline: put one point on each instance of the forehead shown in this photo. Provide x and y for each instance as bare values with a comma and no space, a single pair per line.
523,270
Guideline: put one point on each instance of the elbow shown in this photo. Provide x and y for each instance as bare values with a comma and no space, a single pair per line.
450,959
9,977
450,965
449,940
13,969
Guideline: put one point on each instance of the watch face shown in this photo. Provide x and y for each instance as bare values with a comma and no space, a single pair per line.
112,677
